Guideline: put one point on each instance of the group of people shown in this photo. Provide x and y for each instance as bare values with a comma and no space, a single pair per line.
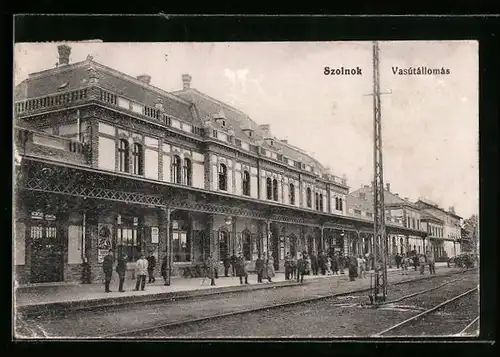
143,267
326,264
264,268
416,260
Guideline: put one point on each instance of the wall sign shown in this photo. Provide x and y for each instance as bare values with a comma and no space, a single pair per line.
154,234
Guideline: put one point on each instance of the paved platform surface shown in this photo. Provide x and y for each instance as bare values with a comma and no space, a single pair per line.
69,296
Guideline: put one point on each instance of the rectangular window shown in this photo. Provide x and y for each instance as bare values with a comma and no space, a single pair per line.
128,242
181,246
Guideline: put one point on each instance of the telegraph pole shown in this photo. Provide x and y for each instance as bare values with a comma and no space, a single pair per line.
380,286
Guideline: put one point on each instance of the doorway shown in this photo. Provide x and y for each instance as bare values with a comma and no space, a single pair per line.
47,250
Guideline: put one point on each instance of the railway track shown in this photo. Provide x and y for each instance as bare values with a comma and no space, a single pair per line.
418,317
136,332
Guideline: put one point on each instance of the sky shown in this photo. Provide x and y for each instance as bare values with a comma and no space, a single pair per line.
430,123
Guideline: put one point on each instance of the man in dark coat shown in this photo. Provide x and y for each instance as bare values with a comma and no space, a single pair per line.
107,267
164,269
288,266
322,262
241,269
234,258
121,267
398,260
227,265
352,263
151,268
301,268
259,267
314,264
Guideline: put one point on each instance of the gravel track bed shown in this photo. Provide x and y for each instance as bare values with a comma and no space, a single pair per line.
99,322
449,320
324,318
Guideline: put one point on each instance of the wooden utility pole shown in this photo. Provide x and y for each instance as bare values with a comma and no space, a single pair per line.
380,239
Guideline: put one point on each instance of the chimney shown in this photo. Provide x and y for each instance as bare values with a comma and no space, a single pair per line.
265,128
451,210
388,186
145,78
186,81
64,52
285,141
406,198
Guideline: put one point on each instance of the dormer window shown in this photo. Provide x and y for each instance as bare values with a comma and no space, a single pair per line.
223,123
64,85
271,142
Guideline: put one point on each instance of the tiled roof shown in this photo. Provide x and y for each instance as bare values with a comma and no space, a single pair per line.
389,197
75,76
356,202
429,216
238,121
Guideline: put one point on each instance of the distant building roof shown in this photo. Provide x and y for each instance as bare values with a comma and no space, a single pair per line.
239,122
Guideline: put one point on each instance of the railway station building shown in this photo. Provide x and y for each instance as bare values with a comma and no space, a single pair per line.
104,160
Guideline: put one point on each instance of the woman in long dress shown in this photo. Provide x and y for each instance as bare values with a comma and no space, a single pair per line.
270,268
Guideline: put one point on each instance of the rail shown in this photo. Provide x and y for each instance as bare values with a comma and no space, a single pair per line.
425,313
133,332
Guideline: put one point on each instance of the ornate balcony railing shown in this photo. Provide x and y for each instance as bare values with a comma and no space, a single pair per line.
52,101
41,144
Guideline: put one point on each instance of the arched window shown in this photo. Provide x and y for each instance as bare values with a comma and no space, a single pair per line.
176,170
223,244
316,201
269,187
293,246
401,245
187,172
222,177
246,183
137,159
308,197
275,189
321,202
123,155
291,194
338,203
247,245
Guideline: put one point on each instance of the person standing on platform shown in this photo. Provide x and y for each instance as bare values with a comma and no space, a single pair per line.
301,268
270,268
314,264
121,268
211,269
227,265
141,270
164,269
421,261
288,267
322,262
430,261
398,260
293,267
259,267
151,268
107,267
233,260
241,269
352,265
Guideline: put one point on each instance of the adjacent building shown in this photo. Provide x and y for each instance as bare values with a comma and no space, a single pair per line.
444,229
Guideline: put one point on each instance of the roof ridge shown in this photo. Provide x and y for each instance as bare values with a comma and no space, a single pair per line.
139,82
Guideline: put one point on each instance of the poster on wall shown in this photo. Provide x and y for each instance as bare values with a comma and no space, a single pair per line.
154,234
104,240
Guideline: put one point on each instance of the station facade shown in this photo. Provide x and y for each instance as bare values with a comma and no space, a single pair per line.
106,161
